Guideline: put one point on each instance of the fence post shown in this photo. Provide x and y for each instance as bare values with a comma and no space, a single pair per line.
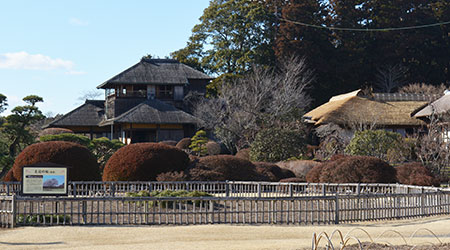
227,189
74,190
259,189
7,188
358,189
84,211
422,202
113,189
13,211
291,193
324,192
336,212
211,210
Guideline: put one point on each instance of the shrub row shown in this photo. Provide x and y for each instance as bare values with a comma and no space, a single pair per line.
158,161
366,169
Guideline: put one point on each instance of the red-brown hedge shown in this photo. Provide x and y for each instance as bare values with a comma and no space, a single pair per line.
184,143
293,179
243,154
353,169
224,167
144,162
84,166
313,175
9,176
415,173
272,172
172,176
169,142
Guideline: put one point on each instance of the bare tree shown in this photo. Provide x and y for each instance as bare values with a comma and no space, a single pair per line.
361,120
264,98
390,77
433,147
334,140
423,88
89,95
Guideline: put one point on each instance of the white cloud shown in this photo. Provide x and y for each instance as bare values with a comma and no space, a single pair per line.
78,22
23,60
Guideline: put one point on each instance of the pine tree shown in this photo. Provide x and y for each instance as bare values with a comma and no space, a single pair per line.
198,144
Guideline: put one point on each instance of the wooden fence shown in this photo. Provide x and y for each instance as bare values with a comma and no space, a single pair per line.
7,212
96,203
229,188
25,211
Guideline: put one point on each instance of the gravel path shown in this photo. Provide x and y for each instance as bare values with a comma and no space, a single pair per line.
217,236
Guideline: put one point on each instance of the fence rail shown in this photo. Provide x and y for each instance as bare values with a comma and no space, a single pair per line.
104,203
230,210
230,188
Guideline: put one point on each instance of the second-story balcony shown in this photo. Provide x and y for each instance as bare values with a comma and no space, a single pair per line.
129,94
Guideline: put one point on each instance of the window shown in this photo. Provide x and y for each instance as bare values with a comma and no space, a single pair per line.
164,92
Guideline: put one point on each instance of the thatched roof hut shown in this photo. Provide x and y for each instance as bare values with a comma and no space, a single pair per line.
384,110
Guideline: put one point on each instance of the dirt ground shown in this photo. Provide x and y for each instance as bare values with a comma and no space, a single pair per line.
220,236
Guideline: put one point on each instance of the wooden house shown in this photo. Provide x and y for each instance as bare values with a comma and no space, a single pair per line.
390,111
142,104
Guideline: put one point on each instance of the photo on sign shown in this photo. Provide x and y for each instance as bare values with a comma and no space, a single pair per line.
53,182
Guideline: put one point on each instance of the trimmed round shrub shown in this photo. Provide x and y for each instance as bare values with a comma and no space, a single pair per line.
383,144
144,162
275,144
415,173
55,131
337,157
355,169
84,166
313,175
244,154
213,148
80,139
224,167
184,143
172,176
272,172
9,176
293,179
170,143
299,167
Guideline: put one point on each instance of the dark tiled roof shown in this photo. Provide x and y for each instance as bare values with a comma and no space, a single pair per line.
397,97
153,112
88,114
156,71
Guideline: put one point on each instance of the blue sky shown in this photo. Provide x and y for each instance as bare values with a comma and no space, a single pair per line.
60,50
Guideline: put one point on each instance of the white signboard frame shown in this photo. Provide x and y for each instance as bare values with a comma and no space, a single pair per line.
44,180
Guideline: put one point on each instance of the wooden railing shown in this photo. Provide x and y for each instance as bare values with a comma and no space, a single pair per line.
223,210
230,188
105,203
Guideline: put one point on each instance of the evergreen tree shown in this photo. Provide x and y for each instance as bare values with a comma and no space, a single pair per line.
15,130
198,143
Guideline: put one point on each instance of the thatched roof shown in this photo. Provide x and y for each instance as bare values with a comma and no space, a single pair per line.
156,71
353,108
88,114
153,112
440,106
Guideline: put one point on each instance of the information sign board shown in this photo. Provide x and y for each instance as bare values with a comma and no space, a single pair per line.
44,180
